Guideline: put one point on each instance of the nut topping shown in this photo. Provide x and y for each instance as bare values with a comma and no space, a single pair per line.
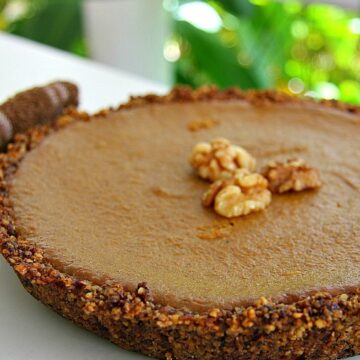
241,195
219,159
292,175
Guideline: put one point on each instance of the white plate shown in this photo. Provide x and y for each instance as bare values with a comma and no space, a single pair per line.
29,330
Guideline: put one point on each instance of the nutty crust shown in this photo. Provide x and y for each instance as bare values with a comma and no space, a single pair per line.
320,326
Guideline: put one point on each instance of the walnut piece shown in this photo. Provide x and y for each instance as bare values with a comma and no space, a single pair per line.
292,175
243,194
219,159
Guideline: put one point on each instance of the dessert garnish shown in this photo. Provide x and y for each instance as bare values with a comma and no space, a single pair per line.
292,175
243,194
236,188
219,159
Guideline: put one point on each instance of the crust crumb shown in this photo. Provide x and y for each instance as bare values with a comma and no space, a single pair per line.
214,232
202,124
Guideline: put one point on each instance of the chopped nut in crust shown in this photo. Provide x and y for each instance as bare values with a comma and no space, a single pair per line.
219,159
241,195
292,175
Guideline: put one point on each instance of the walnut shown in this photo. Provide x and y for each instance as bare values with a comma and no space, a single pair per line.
244,193
219,159
292,175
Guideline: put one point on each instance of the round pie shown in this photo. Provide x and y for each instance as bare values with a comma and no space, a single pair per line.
102,220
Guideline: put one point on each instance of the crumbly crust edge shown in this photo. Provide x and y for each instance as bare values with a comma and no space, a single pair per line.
320,326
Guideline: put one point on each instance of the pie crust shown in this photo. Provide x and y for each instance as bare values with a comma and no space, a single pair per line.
318,326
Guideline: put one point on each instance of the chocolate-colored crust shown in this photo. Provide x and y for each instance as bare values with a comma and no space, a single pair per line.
321,326
38,105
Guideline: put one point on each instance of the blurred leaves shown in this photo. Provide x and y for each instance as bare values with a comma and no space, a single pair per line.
238,8
308,49
56,23
2,4
249,51
211,57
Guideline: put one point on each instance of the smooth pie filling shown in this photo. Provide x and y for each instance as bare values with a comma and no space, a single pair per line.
116,200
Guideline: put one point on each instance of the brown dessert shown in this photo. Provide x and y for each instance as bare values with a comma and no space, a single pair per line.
101,221
35,106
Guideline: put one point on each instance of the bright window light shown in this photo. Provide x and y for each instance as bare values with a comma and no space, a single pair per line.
201,15
296,85
354,26
172,51
15,10
327,90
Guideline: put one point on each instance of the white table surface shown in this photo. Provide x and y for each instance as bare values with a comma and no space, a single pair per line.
24,64
28,330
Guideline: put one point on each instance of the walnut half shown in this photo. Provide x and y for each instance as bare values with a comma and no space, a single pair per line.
241,195
292,175
219,159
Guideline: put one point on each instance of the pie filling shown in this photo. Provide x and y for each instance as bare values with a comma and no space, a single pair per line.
115,200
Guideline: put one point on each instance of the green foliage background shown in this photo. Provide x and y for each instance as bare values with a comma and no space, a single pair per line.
307,49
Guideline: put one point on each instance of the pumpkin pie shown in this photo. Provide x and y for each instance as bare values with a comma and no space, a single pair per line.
102,220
